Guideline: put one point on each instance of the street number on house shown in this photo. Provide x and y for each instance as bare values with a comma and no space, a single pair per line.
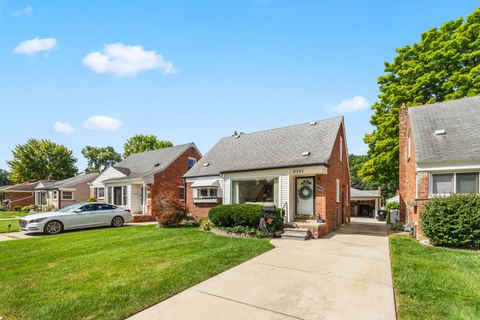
297,171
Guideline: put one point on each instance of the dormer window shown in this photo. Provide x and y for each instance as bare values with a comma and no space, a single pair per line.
191,163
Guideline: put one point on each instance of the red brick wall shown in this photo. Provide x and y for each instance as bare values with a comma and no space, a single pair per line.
326,205
166,182
21,199
411,200
199,210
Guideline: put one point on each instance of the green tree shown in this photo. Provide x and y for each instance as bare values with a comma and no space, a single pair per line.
443,65
140,143
356,162
41,159
99,158
4,180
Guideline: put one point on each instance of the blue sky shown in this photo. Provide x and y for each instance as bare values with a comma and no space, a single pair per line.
97,72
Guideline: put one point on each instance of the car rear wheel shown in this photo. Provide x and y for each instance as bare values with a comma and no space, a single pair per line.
117,222
53,227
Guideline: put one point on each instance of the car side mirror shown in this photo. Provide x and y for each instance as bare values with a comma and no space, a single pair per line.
78,211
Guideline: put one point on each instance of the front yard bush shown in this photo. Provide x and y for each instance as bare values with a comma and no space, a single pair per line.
453,221
169,213
244,215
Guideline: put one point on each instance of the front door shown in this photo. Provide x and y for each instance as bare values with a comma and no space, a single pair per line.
305,195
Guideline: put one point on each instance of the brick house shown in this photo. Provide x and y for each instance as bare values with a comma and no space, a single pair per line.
301,168
19,195
439,154
58,194
142,178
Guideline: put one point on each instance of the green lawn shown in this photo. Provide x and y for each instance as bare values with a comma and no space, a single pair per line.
12,214
13,222
434,283
5,223
111,273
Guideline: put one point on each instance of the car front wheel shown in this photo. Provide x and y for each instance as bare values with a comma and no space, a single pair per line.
53,227
117,222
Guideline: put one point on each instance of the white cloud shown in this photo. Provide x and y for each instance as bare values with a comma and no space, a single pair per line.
30,47
62,127
125,60
102,123
350,105
26,11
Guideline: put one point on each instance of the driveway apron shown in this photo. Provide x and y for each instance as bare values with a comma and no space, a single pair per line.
345,275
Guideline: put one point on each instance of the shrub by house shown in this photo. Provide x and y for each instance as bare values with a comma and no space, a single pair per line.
453,221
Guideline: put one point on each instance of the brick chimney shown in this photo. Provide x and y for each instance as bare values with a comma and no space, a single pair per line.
402,143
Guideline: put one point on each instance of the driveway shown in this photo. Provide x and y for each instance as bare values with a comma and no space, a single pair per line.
345,275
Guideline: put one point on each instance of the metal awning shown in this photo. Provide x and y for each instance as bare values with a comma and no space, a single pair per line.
205,183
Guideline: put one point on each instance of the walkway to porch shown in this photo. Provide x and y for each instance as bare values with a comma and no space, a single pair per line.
345,275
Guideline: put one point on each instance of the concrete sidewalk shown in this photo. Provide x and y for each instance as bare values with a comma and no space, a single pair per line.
345,275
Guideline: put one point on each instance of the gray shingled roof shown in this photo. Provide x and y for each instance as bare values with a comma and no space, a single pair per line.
139,165
356,193
461,121
22,187
274,148
70,181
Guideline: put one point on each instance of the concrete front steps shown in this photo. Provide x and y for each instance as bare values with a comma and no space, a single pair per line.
296,233
303,229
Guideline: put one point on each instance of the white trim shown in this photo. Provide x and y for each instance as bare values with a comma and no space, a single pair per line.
184,193
337,191
341,149
430,182
448,166
73,196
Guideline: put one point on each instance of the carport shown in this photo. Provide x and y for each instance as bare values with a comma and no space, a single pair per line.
365,202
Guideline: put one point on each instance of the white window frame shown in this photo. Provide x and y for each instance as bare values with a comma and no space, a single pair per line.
73,196
337,190
341,149
184,194
430,182
95,192
209,192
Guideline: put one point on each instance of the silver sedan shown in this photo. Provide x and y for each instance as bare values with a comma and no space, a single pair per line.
76,216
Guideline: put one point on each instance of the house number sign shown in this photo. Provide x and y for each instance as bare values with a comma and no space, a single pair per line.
297,171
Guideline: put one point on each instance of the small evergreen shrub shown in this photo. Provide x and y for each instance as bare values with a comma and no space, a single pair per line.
17,208
453,221
92,199
244,215
28,208
205,224
397,226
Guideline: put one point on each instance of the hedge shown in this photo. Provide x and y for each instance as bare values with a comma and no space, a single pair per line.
453,221
245,215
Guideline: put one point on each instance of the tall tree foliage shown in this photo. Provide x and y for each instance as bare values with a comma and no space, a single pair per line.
41,159
140,143
444,65
4,179
99,158
356,162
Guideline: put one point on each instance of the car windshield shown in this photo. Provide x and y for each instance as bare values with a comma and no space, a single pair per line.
71,208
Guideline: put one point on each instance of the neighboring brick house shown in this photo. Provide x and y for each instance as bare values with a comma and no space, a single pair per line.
62,193
439,154
302,169
143,178
19,195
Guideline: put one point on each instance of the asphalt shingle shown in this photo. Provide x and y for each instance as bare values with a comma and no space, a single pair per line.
461,121
274,148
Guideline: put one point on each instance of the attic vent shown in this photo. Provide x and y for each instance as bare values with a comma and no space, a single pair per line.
156,164
305,153
440,132
313,123
206,164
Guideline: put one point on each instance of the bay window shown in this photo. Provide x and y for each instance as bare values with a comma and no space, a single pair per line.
256,190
